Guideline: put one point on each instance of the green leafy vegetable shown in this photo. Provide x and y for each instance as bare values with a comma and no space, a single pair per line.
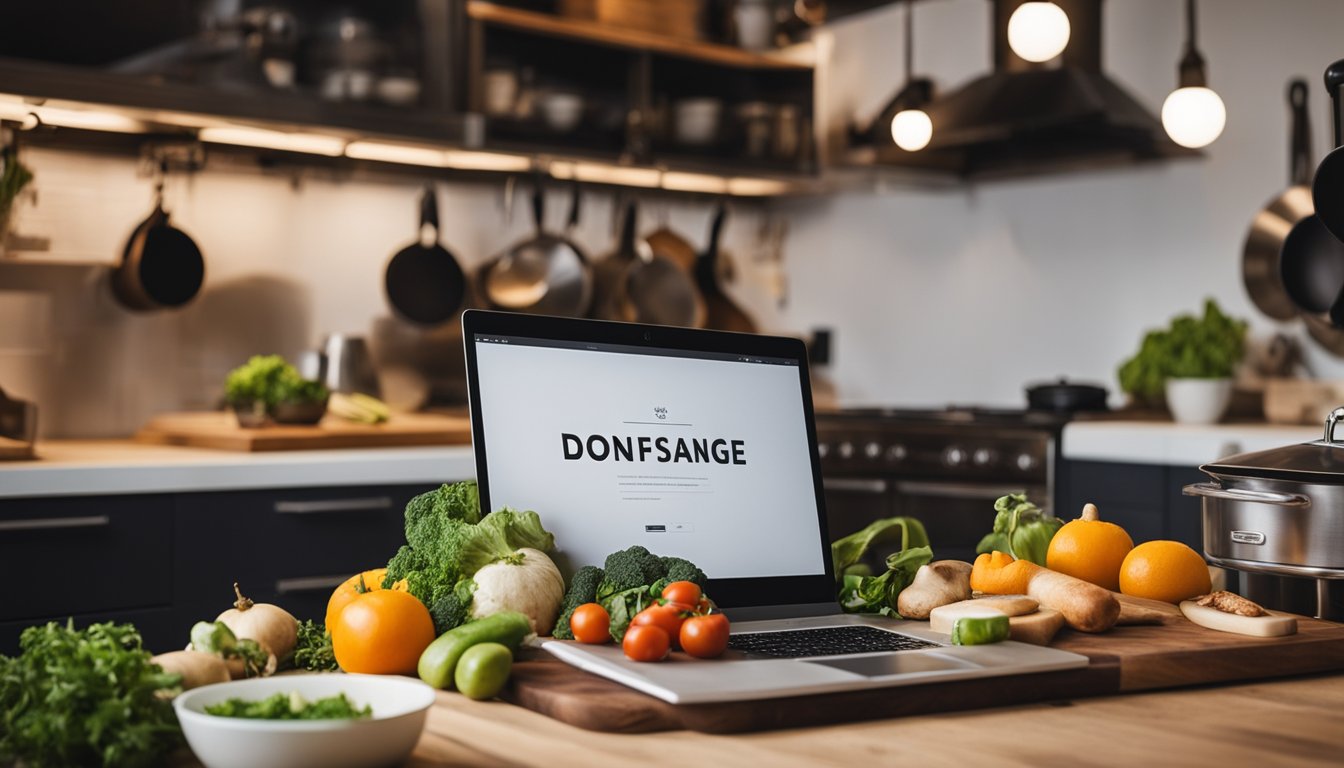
1021,529
582,589
448,541
291,706
85,697
269,379
14,176
313,651
860,592
1191,348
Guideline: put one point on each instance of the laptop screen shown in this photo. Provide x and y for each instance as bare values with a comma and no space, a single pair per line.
686,443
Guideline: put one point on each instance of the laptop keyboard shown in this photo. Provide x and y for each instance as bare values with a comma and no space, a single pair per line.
824,641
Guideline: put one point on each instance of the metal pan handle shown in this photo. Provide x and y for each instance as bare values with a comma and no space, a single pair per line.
1215,491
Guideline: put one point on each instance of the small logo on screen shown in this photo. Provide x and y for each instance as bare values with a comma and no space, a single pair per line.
660,412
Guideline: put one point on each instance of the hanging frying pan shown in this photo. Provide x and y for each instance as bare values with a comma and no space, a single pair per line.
424,283
1328,188
667,243
721,311
161,267
609,272
546,274
1264,241
635,284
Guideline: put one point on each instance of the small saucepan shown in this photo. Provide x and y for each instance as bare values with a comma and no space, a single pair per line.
1064,396
161,267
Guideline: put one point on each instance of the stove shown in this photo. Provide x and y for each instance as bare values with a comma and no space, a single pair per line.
944,467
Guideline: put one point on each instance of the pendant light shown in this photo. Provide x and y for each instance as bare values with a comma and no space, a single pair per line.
911,127
1193,115
1038,31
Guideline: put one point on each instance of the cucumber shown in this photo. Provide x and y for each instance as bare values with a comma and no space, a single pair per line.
439,661
979,630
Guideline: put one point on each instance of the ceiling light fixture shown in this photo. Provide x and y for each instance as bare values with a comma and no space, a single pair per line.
308,143
1038,31
911,128
1193,115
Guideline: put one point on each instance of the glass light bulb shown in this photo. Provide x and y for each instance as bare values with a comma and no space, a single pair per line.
1038,31
911,129
1193,117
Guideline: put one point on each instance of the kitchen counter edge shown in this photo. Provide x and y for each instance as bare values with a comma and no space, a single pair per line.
91,467
1172,444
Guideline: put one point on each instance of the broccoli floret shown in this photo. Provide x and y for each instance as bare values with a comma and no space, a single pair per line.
582,589
430,514
681,569
401,565
630,568
452,607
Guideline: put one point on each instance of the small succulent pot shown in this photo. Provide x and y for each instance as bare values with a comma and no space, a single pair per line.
299,411
251,414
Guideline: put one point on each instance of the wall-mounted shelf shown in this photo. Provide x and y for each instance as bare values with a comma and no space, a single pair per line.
801,57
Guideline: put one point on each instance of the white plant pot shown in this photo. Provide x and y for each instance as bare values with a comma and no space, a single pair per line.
1198,401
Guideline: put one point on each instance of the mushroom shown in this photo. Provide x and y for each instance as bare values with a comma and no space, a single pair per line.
941,582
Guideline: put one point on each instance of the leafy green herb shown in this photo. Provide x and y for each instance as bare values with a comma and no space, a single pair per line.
1021,529
291,706
85,697
269,379
1191,348
14,176
313,651
860,592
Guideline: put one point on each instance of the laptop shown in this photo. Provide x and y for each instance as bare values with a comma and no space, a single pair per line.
697,444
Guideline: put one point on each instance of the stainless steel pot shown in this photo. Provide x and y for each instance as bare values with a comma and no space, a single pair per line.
1279,512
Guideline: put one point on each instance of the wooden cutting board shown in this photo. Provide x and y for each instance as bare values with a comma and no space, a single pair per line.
220,430
1130,658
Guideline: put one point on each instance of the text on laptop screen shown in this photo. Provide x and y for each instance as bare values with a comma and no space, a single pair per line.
700,455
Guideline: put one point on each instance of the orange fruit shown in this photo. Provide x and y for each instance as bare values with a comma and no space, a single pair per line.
350,589
1090,549
1164,570
382,632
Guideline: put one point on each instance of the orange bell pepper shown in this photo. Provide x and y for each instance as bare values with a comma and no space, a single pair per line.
997,573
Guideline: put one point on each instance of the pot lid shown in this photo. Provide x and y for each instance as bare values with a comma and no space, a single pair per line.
1064,385
1320,461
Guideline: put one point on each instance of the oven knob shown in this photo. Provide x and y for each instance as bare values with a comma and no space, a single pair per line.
896,453
984,457
872,450
845,449
822,450
1026,462
954,456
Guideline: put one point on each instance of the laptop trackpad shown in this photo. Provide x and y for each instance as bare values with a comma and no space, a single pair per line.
889,664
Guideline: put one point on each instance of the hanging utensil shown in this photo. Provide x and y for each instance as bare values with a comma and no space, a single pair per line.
657,290
161,267
666,243
721,311
545,274
423,282
1327,190
1264,242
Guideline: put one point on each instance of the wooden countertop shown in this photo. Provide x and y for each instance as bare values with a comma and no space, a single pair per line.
1294,722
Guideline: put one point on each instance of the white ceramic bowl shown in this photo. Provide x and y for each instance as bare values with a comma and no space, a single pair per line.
399,707
1198,401
562,111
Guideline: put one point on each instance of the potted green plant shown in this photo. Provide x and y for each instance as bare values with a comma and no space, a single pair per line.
14,176
1190,364
267,388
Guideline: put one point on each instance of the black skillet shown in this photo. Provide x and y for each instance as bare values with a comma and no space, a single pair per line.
1327,191
161,267
424,283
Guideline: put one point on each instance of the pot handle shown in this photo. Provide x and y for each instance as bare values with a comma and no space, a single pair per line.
1215,491
1334,418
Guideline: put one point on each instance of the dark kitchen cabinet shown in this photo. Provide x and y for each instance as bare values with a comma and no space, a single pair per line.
165,561
1144,499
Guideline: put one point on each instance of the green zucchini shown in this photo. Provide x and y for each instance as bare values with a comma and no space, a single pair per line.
439,661
979,630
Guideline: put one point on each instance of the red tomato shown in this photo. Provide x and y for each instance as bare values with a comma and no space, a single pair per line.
667,617
646,642
683,592
705,637
590,624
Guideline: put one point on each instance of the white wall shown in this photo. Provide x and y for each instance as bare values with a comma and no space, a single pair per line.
966,295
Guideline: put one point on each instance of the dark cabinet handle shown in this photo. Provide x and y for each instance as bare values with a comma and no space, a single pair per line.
308,584
325,506
54,523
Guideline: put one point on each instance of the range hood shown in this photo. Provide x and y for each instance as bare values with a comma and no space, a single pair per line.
1026,118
